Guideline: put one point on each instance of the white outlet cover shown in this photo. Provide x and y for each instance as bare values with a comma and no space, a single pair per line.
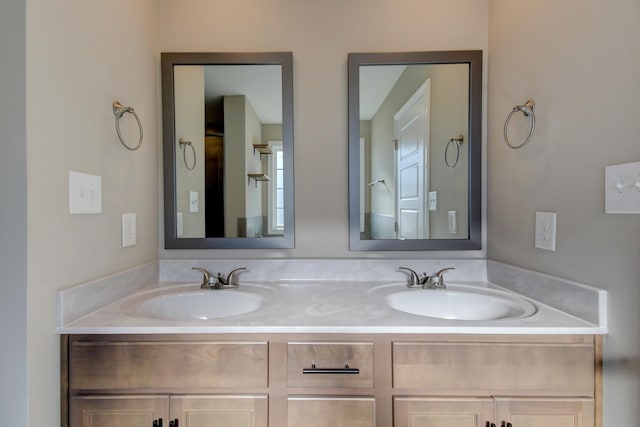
128,229
85,193
179,225
546,231
453,222
193,202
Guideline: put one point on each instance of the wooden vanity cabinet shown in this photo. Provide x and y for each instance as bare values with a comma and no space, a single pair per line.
528,381
329,380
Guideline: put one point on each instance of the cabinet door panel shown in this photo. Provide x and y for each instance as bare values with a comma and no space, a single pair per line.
118,411
331,412
546,412
227,411
442,412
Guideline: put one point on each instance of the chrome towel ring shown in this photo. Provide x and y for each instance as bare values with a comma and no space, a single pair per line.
118,111
528,110
457,141
183,144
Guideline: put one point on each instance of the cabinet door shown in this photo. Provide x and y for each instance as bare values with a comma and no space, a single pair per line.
442,412
327,411
546,412
118,411
227,411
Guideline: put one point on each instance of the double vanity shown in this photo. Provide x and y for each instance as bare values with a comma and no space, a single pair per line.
325,343
325,353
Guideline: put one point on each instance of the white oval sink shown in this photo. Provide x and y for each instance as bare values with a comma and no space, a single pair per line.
460,305
199,305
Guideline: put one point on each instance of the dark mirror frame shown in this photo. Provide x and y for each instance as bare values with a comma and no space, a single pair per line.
168,61
474,147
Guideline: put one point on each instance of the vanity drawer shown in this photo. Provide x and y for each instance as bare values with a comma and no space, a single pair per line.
167,365
533,369
330,364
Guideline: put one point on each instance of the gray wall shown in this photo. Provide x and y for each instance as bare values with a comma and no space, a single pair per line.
579,61
13,215
320,35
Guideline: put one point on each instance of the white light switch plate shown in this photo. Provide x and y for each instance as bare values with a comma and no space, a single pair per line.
85,193
622,188
546,231
433,200
128,229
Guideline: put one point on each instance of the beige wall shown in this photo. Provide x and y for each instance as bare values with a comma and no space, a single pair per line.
320,35
189,123
82,56
579,61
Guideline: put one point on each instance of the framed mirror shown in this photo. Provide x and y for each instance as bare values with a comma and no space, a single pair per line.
415,147
228,150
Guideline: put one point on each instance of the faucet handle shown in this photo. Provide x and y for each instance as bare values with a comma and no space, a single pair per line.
438,279
231,278
208,280
414,279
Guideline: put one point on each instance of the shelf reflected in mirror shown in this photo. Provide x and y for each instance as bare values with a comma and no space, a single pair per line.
233,187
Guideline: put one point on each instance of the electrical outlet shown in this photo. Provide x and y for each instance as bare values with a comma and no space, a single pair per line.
546,231
128,229
179,225
193,201
85,193
453,222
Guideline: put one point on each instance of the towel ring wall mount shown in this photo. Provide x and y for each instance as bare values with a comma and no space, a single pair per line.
183,144
528,109
457,141
119,110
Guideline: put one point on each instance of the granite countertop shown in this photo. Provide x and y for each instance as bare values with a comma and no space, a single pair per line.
316,307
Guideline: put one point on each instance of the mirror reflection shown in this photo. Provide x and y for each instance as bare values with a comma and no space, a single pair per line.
412,137
230,150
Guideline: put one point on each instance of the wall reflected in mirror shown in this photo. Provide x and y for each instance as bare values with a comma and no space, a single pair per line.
415,144
230,149
408,115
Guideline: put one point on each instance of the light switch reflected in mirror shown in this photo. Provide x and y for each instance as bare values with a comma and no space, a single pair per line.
228,150
414,150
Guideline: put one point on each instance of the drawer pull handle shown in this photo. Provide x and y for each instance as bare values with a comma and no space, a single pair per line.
345,370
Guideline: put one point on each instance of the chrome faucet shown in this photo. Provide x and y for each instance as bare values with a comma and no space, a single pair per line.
210,281
426,282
